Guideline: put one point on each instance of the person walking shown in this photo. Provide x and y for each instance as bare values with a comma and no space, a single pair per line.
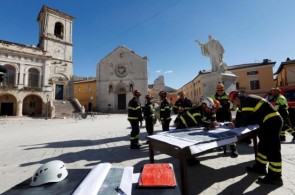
224,113
165,111
149,115
135,118
253,109
281,105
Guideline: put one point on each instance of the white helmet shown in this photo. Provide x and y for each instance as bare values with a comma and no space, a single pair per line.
209,102
53,171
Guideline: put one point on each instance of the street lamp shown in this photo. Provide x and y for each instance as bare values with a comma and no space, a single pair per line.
47,96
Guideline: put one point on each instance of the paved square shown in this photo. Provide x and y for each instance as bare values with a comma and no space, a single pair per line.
26,143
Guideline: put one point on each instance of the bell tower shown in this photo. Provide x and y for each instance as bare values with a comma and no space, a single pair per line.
55,38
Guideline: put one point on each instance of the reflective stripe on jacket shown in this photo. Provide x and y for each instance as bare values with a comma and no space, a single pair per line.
134,110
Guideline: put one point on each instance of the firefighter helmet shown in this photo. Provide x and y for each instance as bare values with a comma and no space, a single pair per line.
148,97
209,102
232,95
162,93
136,93
276,89
181,93
217,104
219,86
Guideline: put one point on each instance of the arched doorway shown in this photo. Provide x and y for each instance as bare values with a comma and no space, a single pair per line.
7,105
32,105
122,99
59,91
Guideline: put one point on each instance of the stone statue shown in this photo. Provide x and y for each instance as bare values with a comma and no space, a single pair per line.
214,50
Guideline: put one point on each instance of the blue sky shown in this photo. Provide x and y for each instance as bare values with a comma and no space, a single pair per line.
164,31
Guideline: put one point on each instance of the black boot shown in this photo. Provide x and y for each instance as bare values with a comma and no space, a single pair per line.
257,168
271,178
293,140
234,152
134,146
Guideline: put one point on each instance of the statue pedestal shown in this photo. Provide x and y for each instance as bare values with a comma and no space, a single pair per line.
227,78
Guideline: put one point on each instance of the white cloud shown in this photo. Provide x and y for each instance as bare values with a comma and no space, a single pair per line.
168,71
158,71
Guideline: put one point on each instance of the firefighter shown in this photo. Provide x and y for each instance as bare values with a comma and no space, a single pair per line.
149,115
165,111
254,109
224,113
203,115
181,106
135,117
281,105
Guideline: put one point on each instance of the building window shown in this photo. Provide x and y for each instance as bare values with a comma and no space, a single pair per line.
254,84
79,89
33,78
59,30
88,88
254,72
10,75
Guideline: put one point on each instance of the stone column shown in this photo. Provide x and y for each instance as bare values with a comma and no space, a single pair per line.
19,108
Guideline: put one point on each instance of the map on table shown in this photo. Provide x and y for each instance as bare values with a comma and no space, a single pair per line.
200,136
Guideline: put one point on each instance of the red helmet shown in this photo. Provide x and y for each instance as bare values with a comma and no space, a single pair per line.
232,95
136,93
217,104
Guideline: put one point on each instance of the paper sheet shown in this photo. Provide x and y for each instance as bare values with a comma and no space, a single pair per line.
126,184
93,181
195,149
173,140
189,137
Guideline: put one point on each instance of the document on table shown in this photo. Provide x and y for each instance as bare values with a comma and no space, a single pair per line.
199,140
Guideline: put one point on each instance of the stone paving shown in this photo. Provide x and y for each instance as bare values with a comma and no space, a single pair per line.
27,143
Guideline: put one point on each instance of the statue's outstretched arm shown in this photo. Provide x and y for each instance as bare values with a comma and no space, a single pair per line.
199,42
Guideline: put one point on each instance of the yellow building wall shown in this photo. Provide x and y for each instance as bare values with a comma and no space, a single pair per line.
85,93
194,89
286,76
264,76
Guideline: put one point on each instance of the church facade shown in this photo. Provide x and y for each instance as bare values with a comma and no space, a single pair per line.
34,76
118,75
